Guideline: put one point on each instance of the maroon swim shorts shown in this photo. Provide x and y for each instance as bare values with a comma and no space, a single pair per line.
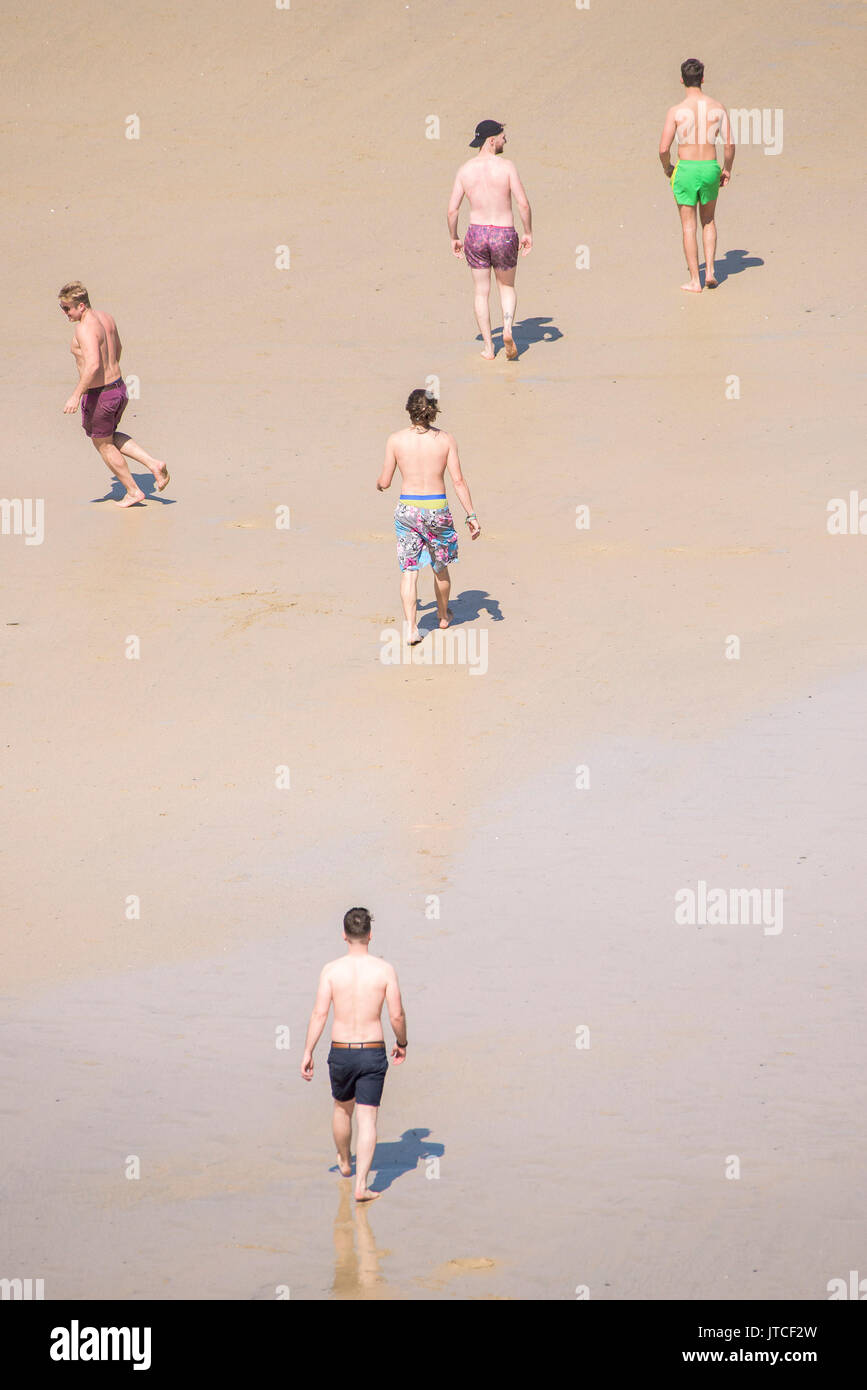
490,247
102,407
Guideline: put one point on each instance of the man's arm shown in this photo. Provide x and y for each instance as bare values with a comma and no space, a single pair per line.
388,467
666,140
318,1020
454,466
520,197
725,131
396,1015
90,365
454,208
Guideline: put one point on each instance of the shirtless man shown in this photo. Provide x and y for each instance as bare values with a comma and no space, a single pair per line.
698,122
491,242
101,391
422,519
357,985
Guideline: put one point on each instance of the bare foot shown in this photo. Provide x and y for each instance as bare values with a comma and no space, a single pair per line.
162,477
414,638
366,1195
131,499
694,287
345,1167
488,354
444,622
511,350
710,281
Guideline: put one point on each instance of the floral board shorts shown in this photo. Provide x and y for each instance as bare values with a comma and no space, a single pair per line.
425,536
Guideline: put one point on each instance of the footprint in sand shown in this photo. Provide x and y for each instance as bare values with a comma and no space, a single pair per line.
469,1264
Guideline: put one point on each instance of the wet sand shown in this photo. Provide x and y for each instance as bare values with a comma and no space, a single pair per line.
261,648
704,1042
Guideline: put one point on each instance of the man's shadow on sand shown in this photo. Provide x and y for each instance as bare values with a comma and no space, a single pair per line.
732,263
466,607
527,332
392,1160
148,485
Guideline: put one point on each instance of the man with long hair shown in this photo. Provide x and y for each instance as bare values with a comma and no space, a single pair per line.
422,518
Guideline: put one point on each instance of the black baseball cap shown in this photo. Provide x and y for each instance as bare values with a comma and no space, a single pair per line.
484,130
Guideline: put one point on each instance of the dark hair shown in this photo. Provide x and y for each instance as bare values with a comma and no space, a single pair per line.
692,72
422,407
356,923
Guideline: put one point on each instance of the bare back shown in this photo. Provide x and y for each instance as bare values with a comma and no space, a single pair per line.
699,121
422,458
95,336
488,182
358,991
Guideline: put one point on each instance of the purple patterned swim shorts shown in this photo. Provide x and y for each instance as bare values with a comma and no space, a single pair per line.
491,247
425,536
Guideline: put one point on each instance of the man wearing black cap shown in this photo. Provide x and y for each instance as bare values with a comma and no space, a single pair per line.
491,241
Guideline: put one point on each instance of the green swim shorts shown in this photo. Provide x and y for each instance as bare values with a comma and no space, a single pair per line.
695,180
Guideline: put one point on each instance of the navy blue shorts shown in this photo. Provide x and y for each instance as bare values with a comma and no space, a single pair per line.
357,1073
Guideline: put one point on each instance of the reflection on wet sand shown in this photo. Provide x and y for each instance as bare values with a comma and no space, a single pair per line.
356,1258
356,1268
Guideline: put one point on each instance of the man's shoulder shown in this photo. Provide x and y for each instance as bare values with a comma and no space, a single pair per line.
385,967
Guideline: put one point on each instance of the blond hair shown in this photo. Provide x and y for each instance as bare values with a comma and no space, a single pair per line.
75,293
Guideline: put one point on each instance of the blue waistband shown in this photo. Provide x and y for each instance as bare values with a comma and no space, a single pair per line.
422,497
106,386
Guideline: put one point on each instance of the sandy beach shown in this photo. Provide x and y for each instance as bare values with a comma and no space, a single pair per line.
519,833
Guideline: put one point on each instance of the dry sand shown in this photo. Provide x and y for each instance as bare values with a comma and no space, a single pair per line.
558,1166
